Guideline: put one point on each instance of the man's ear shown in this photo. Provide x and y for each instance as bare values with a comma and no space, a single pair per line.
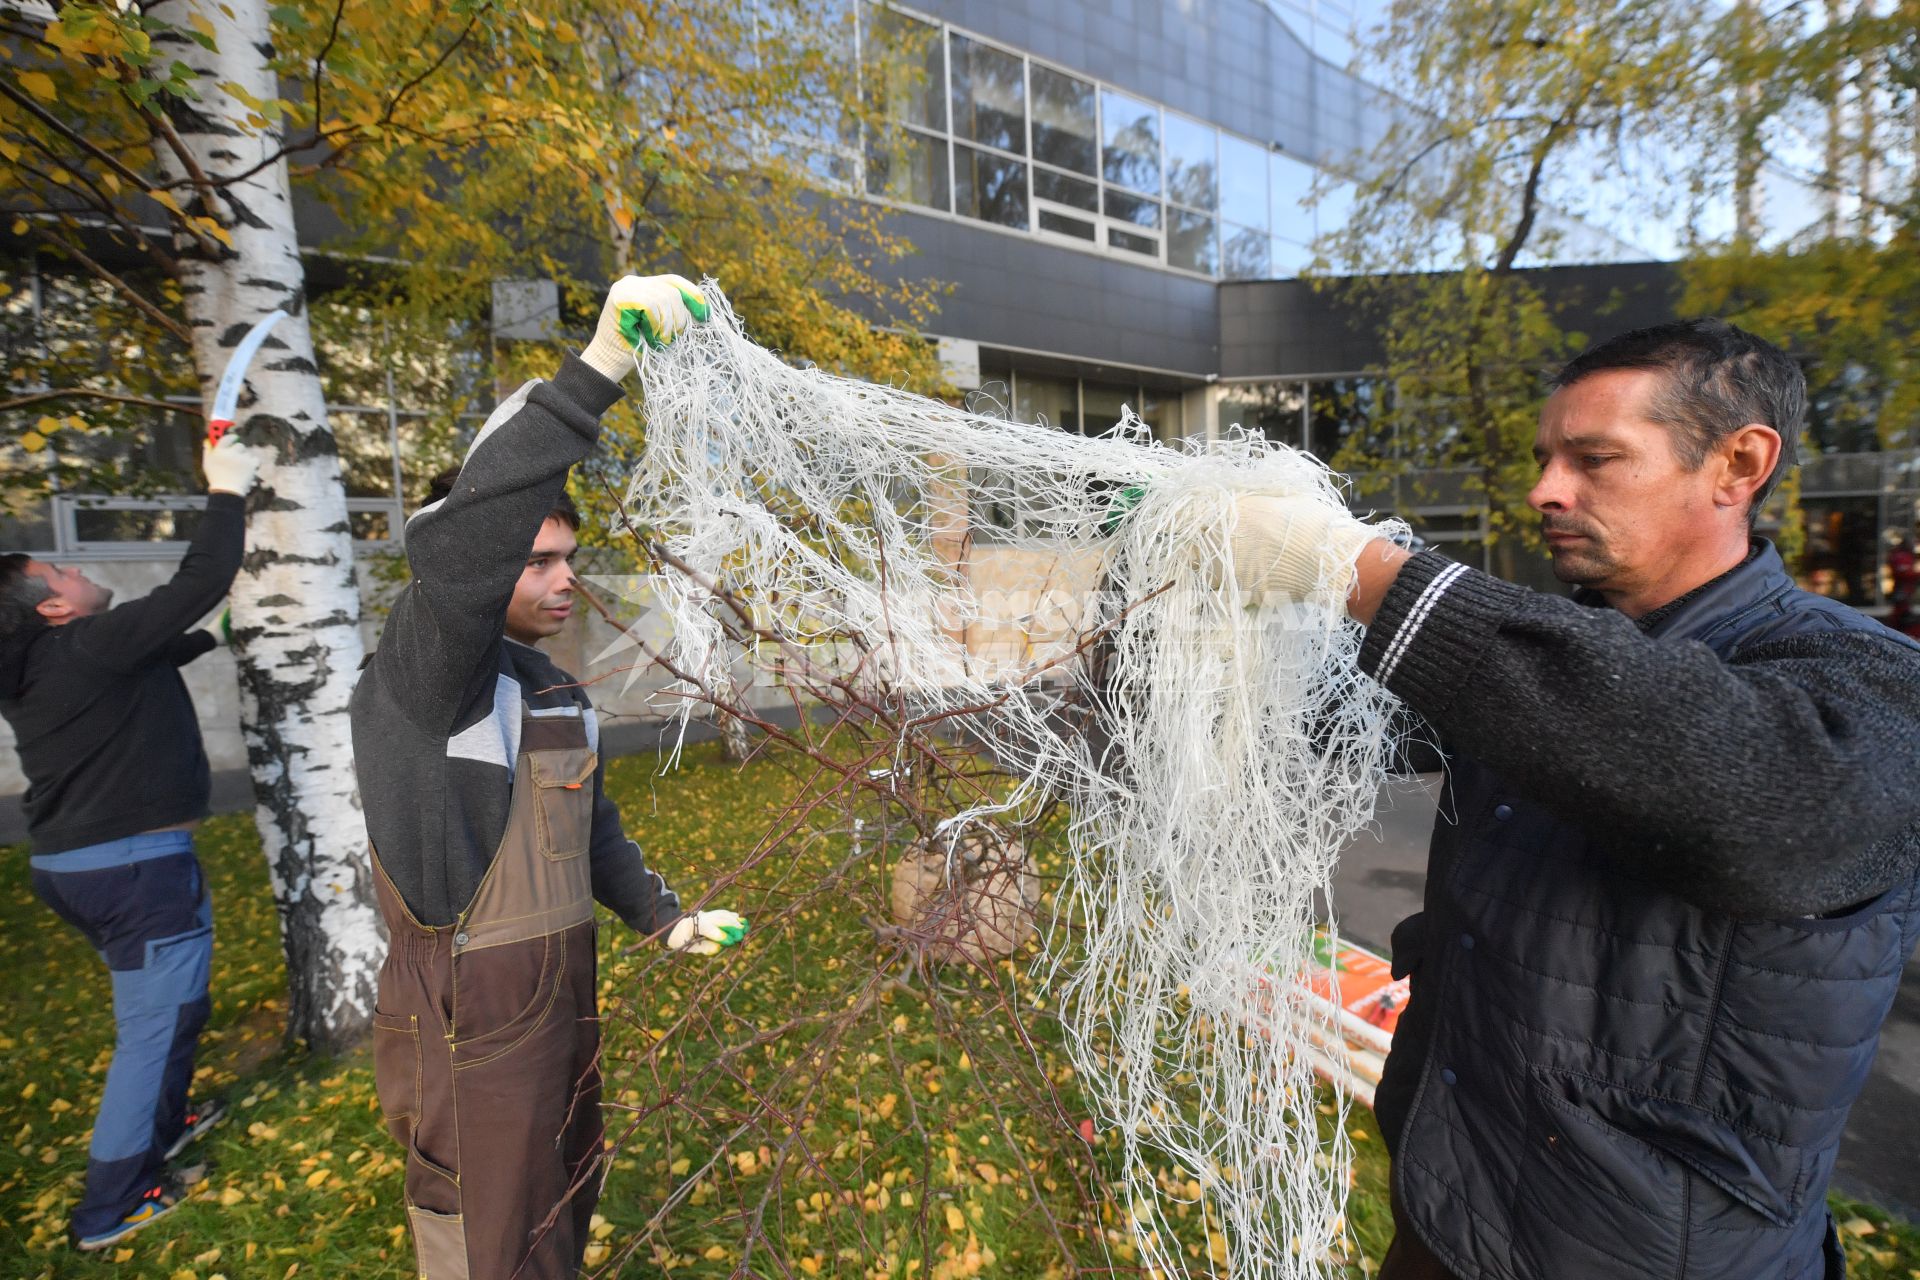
1747,457
54,609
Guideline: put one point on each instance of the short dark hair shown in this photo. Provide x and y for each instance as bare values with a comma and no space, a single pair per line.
1719,378
563,510
20,593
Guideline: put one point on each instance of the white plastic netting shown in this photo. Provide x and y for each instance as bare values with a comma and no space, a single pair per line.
1236,751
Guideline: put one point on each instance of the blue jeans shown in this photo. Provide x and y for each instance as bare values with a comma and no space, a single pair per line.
142,903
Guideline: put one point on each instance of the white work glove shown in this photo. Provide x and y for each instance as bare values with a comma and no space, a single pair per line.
230,466
649,309
1284,548
704,932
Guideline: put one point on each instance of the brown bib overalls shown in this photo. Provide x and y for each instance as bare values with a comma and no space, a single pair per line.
486,1038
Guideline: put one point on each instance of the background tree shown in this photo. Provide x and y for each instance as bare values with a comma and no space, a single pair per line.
697,139
1519,121
152,148
1508,114
1824,105
144,145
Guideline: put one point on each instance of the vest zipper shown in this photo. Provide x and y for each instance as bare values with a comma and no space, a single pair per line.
1686,1222
1720,968
1713,1020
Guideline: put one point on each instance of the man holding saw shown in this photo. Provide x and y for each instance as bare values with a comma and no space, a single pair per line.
117,778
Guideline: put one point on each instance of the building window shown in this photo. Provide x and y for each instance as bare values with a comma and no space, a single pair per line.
1053,401
1130,162
989,187
1243,209
1192,244
1101,404
1245,255
904,78
1130,142
1164,413
985,132
908,166
1290,183
1192,166
989,95
1274,410
904,70
1065,133
1065,206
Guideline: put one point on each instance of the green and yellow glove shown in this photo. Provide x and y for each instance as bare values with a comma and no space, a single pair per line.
642,309
704,932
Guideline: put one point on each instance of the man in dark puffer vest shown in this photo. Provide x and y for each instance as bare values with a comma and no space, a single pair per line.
1676,873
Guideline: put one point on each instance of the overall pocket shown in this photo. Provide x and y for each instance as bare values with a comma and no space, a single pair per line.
504,994
563,800
396,1072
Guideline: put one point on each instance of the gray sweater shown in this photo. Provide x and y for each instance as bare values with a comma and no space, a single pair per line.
1785,783
436,714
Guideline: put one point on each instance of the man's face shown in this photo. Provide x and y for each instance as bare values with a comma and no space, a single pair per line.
73,593
1617,504
543,598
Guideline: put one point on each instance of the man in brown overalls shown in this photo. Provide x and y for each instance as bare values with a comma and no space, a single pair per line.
492,836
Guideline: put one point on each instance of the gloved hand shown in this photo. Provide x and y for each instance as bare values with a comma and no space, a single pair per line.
230,466
704,932
220,626
1280,545
649,309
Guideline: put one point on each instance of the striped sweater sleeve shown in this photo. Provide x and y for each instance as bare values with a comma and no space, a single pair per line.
1437,621
1774,785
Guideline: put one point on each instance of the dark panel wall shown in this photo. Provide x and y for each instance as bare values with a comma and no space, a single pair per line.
1013,290
1284,328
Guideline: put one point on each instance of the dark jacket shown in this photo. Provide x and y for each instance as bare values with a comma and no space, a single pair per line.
107,734
437,712
1671,891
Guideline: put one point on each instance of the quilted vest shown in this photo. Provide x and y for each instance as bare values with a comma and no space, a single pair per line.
1616,1084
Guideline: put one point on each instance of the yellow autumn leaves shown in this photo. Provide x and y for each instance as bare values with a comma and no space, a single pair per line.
37,438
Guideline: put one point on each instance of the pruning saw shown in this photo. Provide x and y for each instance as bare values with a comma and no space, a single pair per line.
227,397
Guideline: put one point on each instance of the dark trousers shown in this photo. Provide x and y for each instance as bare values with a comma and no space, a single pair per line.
151,920
487,1068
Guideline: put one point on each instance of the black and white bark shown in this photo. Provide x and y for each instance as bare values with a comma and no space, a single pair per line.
296,603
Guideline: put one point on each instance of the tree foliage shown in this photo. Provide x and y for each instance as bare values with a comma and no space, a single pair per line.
1522,127
1505,112
453,145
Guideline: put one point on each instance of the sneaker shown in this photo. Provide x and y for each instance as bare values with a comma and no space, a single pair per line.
200,1117
160,1200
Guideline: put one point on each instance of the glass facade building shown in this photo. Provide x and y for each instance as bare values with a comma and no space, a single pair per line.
991,133
1119,195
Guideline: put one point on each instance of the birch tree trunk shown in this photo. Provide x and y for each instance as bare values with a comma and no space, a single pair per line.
296,603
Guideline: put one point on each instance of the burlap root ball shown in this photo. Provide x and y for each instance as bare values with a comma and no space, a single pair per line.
977,905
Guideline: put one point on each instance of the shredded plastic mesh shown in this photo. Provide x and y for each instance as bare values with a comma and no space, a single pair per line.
1230,753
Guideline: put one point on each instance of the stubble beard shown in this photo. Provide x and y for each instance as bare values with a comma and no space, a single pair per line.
1585,564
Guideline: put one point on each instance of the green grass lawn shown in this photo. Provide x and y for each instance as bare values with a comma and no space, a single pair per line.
812,1106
